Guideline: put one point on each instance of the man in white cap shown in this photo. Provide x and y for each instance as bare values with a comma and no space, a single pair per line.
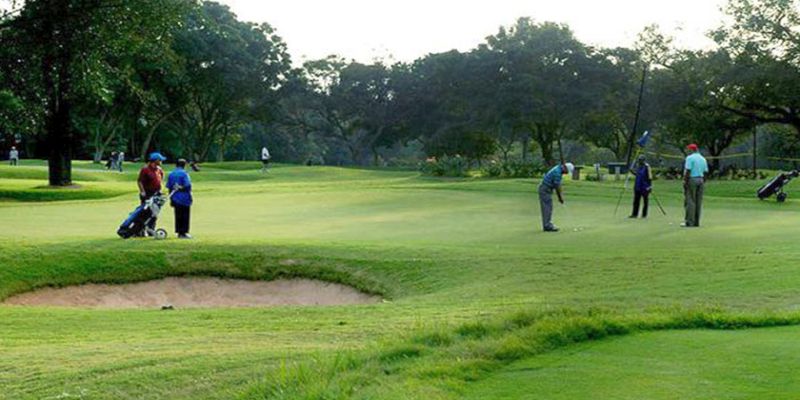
550,183
13,156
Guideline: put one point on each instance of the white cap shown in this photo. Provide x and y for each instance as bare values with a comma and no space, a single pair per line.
570,168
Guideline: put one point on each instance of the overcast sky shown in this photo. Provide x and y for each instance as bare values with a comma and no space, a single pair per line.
409,29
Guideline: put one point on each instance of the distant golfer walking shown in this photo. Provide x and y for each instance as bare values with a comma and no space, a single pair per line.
642,187
550,183
265,159
695,170
13,156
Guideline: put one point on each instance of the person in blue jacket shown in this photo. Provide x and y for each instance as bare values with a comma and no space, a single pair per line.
643,186
180,185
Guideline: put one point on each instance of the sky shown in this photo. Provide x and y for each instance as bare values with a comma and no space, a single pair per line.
404,30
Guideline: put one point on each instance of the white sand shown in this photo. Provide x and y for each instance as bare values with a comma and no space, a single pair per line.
196,293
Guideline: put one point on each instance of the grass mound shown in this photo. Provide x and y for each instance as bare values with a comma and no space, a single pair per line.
441,365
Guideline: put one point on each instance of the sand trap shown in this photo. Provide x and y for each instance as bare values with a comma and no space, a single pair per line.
197,293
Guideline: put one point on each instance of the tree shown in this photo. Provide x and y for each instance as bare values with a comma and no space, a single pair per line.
762,39
233,72
695,96
66,44
548,80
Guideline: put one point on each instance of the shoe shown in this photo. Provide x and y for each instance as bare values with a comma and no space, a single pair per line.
553,229
685,225
185,236
633,217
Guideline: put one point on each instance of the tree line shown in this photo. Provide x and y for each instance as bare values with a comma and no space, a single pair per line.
82,78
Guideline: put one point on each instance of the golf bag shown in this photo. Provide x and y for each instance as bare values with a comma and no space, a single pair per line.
139,221
776,185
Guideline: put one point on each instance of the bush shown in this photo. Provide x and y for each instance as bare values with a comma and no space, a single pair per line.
455,166
513,169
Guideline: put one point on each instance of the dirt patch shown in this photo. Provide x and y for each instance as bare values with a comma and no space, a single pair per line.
196,293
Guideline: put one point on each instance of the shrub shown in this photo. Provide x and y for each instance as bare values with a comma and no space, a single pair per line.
513,169
455,166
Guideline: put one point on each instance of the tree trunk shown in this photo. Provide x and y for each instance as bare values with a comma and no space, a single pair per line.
56,82
526,144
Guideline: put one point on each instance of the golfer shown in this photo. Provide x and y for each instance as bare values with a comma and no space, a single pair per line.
13,156
180,185
120,160
550,183
642,187
695,169
150,178
265,157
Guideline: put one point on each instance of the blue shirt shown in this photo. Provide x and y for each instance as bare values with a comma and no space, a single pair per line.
643,179
552,178
182,196
697,165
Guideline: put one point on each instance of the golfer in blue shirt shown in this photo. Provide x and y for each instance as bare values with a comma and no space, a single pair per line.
550,183
180,185
695,170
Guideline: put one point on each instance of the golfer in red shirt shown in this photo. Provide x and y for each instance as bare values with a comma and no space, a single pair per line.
150,178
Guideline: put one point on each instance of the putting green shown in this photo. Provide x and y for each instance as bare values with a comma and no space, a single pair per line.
446,253
749,364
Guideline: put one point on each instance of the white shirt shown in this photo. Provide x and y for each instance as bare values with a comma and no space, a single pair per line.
121,156
13,155
265,154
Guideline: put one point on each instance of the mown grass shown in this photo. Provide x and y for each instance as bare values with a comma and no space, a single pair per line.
696,364
471,283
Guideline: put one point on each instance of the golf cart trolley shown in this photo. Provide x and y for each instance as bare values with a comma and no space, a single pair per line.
140,222
776,185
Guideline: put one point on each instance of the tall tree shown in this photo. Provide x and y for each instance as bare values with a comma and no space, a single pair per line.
550,80
69,41
233,70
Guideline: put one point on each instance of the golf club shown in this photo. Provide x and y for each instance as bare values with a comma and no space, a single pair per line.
660,207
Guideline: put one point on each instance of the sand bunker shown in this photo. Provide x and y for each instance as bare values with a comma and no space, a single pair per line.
197,293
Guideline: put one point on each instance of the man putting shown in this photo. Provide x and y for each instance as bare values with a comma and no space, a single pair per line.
695,169
642,187
550,183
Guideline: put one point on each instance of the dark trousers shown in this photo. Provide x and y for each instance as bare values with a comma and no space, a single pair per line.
638,196
182,216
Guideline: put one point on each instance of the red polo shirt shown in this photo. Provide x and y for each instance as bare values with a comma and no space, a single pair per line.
151,177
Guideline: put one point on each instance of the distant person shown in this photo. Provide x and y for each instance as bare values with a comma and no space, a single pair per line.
265,159
642,187
695,170
180,185
550,183
13,156
112,161
120,160
150,178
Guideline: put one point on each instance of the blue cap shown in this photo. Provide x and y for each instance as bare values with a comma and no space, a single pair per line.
157,157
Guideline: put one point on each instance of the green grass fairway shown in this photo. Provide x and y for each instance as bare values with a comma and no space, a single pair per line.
474,289
751,364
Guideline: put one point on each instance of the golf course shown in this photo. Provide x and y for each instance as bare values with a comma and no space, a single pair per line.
475,301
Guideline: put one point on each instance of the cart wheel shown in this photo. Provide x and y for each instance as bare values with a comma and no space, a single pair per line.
161,234
782,197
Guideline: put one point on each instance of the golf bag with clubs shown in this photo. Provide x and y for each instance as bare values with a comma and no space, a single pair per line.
140,220
776,185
